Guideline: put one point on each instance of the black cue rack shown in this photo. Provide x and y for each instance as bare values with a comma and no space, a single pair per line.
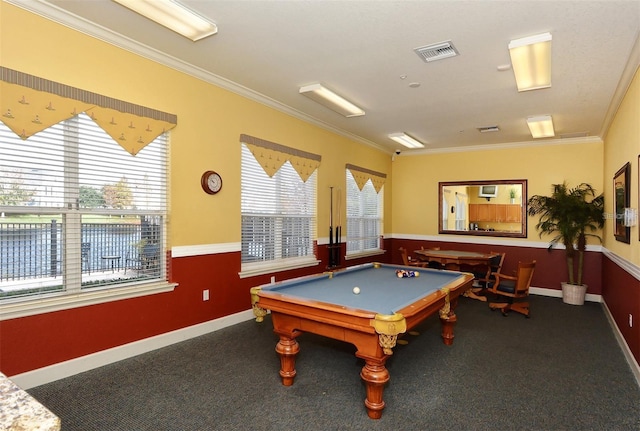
334,255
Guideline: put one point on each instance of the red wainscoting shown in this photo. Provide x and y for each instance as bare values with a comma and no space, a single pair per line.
33,342
621,293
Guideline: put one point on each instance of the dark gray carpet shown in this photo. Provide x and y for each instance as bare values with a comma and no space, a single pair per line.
560,370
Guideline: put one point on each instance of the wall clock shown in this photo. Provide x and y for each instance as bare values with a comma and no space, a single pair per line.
211,182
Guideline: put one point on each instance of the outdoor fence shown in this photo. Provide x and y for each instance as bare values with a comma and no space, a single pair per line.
35,250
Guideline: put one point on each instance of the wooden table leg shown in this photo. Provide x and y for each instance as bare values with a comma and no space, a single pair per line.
471,294
375,376
287,348
448,323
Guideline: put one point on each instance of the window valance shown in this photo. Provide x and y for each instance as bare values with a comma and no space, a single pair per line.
362,175
272,156
29,104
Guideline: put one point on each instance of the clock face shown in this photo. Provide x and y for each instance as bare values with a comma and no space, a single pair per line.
215,183
211,182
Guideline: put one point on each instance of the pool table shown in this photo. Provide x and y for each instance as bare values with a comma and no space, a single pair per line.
372,320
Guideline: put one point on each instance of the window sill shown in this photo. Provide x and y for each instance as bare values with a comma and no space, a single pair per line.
361,254
276,266
12,309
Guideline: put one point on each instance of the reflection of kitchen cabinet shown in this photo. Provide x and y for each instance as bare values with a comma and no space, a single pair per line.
514,213
486,212
505,213
473,212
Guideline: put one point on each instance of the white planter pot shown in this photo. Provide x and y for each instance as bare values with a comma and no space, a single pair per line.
573,293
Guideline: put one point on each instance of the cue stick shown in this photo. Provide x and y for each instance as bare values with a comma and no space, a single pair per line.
331,226
338,229
339,225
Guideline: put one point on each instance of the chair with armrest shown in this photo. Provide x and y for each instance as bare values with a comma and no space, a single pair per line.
487,274
407,262
513,291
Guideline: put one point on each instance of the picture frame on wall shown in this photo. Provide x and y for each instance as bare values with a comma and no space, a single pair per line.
621,197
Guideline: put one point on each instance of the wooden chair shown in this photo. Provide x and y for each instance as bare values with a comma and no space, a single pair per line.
407,262
488,273
514,290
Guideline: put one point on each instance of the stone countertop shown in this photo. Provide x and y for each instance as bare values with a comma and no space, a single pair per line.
19,411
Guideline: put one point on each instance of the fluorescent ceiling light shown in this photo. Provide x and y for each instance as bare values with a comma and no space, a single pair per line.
173,15
531,61
541,126
331,100
406,140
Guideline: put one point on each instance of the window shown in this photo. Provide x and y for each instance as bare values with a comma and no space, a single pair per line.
78,213
461,211
364,216
278,216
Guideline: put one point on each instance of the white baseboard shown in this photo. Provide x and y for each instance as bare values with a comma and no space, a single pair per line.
74,366
633,364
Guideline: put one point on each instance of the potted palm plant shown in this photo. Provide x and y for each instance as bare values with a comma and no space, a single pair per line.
570,216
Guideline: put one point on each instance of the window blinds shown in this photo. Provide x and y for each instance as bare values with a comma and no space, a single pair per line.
77,211
278,214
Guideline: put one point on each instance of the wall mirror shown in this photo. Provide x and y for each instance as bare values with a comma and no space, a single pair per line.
483,208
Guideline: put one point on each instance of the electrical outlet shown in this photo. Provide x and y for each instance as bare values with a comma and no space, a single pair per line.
205,295
630,320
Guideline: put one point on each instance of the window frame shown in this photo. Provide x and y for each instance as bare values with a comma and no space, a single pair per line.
73,294
366,191
249,169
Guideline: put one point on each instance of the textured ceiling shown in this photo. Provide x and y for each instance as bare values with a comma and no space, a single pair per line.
365,51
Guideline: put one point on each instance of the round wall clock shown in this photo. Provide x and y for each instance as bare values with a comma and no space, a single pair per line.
211,182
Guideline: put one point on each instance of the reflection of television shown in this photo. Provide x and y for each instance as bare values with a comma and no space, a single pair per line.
488,191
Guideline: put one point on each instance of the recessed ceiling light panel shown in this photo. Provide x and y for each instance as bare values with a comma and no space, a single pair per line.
541,126
531,61
331,100
406,140
173,15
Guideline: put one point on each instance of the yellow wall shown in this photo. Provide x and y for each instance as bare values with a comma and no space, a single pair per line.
415,178
622,145
210,121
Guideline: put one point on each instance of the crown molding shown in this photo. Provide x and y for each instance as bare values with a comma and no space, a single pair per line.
509,145
74,22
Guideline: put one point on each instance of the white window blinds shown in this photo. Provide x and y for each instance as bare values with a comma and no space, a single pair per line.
278,215
364,213
78,212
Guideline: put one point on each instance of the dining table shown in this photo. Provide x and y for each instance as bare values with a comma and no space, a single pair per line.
458,260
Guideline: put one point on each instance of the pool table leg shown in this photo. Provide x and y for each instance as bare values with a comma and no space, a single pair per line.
287,349
447,328
375,376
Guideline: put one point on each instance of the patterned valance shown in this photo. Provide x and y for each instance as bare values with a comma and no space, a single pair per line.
272,156
362,175
29,104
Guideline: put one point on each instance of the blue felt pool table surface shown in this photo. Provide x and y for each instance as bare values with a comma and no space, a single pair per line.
381,291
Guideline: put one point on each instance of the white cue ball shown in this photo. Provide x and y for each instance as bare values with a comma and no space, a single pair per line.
356,290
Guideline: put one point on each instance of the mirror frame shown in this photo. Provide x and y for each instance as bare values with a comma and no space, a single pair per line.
524,199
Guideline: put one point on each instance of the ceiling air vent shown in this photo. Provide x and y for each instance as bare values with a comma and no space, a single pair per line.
574,135
488,129
437,51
